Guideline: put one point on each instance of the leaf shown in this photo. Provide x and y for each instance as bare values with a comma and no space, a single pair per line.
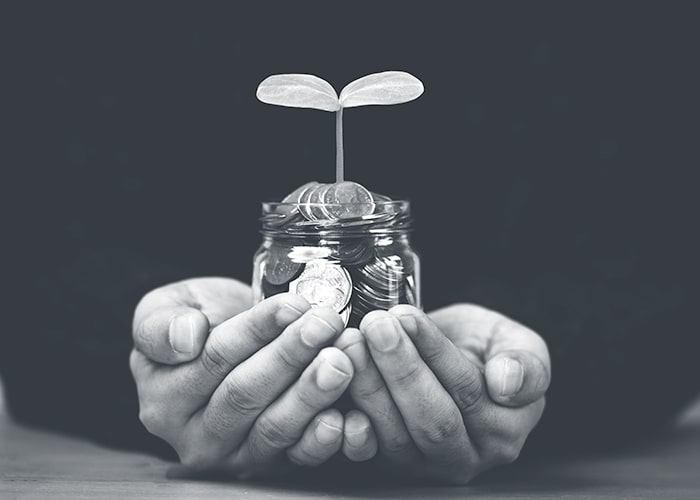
389,87
298,91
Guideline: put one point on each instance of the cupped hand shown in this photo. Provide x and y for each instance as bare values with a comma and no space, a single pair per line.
449,394
237,387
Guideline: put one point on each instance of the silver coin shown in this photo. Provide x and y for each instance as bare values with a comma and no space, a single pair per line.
324,283
279,267
304,199
295,196
291,201
383,273
347,200
354,251
317,207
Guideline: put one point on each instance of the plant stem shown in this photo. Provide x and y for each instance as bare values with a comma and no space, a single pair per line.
339,166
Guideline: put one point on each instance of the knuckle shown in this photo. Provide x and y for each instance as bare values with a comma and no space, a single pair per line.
254,329
288,359
444,428
468,394
214,359
238,397
369,392
273,434
309,398
408,376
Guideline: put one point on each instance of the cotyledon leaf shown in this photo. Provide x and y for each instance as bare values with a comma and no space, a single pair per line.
298,91
388,87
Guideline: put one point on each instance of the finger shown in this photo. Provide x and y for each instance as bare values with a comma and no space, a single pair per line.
518,369
431,416
320,441
503,433
359,441
284,421
462,378
171,334
497,432
371,395
237,339
258,381
171,322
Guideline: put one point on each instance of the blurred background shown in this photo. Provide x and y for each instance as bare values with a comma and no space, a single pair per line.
550,164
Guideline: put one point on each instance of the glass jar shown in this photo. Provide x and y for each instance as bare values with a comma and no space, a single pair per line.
353,264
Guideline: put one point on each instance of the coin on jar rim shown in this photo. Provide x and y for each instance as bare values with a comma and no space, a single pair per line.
317,207
305,200
347,200
324,283
290,203
295,195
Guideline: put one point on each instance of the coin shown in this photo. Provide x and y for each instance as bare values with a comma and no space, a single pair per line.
279,268
304,199
295,196
324,283
348,200
354,252
317,207
268,289
290,203
383,273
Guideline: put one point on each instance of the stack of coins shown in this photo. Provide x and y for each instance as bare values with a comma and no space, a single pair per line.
326,249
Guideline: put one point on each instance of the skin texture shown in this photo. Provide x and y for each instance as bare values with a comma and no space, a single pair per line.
249,389
237,387
434,407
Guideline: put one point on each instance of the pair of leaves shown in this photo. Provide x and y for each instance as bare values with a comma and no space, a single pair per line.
309,91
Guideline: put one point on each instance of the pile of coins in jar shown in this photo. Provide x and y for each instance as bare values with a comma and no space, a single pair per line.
341,246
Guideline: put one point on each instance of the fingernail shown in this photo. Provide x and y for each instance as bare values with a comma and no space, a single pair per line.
316,331
357,438
328,377
327,433
383,334
513,375
287,314
181,333
358,354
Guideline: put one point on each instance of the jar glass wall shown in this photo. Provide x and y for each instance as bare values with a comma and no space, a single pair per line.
353,264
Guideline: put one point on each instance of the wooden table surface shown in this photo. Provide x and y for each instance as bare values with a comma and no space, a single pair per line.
35,464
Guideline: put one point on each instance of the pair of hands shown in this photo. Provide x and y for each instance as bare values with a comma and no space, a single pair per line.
248,389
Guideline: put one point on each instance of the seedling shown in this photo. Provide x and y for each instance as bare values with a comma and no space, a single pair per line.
309,91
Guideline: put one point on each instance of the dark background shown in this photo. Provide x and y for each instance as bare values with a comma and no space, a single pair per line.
550,164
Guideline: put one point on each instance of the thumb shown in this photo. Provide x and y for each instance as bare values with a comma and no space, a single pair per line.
166,331
516,378
517,367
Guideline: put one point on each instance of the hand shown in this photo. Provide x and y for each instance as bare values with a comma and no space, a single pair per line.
451,394
233,386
